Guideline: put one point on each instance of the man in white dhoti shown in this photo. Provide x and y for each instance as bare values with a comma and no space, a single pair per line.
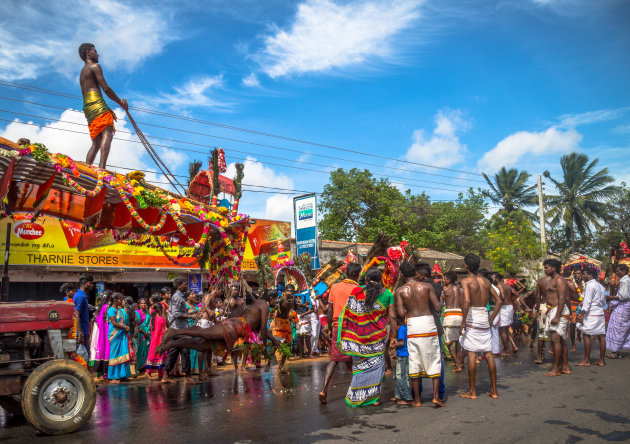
591,320
508,295
557,317
476,336
452,297
425,359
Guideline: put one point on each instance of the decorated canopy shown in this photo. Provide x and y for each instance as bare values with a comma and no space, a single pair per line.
35,182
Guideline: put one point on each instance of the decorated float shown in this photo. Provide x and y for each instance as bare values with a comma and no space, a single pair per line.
96,208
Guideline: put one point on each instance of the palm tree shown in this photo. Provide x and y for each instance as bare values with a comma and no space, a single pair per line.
579,203
510,190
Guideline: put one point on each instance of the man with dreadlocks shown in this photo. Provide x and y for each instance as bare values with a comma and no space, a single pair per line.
100,118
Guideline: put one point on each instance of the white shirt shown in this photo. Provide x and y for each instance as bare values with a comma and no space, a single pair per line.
594,299
624,289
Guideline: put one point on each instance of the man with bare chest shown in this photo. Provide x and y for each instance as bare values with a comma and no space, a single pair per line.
557,317
100,118
541,297
476,335
506,314
425,359
452,296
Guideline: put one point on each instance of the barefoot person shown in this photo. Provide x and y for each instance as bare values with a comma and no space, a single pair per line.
453,316
425,358
177,317
363,335
100,118
591,320
557,317
476,336
541,299
507,295
281,331
338,296
618,334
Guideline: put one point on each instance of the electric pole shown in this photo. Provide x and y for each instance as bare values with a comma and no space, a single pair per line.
541,211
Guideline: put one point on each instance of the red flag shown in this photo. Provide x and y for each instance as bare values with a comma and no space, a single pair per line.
5,182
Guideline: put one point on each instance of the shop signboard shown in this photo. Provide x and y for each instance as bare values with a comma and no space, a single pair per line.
54,242
263,238
305,214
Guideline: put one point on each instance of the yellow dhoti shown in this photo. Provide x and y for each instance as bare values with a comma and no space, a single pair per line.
97,113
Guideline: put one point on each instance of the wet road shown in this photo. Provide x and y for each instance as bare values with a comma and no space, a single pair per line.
591,405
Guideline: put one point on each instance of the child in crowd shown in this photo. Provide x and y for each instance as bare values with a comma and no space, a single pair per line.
403,389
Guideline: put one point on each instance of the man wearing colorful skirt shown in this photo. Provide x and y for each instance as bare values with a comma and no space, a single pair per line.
100,118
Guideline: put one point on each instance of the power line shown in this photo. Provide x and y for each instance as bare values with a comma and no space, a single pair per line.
250,160
214,147
245,142
235,128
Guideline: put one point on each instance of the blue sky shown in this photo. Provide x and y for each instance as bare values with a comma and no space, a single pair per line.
467,86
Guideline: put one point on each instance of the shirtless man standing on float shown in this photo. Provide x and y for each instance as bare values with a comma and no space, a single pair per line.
476,335
557,317
100,118
425,359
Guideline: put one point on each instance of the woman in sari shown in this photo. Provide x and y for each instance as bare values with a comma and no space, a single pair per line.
143,320
99,347
155,361
118,343
362,334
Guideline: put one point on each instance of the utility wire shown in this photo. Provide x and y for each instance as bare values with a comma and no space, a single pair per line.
250,143
235,128
413,181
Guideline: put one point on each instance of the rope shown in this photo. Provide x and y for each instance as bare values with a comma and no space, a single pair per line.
156,158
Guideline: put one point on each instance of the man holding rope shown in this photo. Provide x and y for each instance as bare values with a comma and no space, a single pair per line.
100,118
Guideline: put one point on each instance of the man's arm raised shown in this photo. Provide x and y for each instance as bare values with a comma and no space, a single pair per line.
100,78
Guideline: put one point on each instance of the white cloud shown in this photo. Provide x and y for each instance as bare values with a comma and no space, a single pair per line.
509,151
251,81
279,207
259,204
38,37
196,92
326,35
590,117
622,129
124,152
443,148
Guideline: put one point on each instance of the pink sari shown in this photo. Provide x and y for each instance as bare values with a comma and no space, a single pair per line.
156,361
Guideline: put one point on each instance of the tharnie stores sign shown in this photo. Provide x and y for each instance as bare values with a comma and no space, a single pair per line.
305,213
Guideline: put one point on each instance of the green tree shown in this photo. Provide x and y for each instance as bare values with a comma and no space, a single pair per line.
509,189
355,205
511,241
581,193
455,227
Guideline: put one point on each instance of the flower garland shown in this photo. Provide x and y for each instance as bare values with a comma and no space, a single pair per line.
137,218
78,188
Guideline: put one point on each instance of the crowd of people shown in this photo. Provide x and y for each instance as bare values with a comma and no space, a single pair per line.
357,322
